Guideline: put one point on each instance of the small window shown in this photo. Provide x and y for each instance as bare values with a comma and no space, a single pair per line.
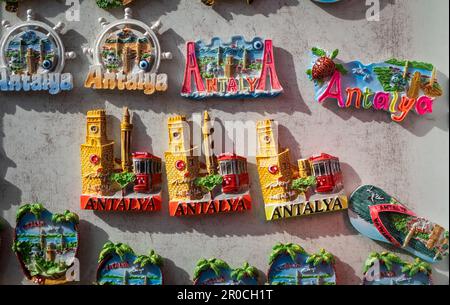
321,169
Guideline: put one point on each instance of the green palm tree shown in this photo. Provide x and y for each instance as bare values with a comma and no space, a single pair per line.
245,271
35,208
214,264
110,248
386,258
152,259
321,257
303,184
209,182
292,249
68,216
416,267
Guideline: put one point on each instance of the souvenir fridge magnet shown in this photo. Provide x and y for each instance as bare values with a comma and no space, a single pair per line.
217,272
381,217
239,69
119,265
131,183
386,268
395,86
32,57
126,56
291,265
313,186
112,3
220,185
46,244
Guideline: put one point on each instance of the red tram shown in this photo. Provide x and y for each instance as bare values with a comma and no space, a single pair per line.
147,169
327,170
233,169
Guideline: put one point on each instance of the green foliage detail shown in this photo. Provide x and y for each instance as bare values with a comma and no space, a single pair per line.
35,208
303,184
386,258
68,216
209,182
109,3
319,52
110,248
416,267
412,64
213,264
152,259
334,54
245,271
321,257
291,249
341,69
123,179
309,72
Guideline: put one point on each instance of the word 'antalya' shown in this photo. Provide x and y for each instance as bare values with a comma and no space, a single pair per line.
307,208
398,106
238,204
148,82
147,204
51,82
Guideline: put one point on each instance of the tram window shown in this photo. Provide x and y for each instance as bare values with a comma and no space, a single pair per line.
333,166
316,170
321,169
228,170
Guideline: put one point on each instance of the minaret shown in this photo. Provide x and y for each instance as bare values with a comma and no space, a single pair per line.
138,52
230,67
125,137
245,59
30,62
126,59
208,144
41,52
219,55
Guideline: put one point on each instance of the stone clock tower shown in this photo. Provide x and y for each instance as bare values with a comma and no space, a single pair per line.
97,155
275,169
182,167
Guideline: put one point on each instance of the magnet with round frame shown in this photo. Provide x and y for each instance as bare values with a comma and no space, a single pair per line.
33,57
126,56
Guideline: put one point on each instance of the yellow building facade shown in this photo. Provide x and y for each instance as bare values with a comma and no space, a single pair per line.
275,169
182,167
97,155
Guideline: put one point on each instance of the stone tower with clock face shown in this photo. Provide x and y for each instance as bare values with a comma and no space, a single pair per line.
182,166
274,168
97,156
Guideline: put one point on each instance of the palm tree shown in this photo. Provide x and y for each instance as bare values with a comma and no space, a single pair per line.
110,248
68,216
123,179
386,258
213,264
416,267
209,183
245,271
292,249
152,259
35,208
320,258
302,185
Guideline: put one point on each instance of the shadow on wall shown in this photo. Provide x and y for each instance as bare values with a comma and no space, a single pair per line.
225,8
91,242
351,9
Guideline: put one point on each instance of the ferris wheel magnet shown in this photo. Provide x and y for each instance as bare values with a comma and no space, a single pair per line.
126,56
32,57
